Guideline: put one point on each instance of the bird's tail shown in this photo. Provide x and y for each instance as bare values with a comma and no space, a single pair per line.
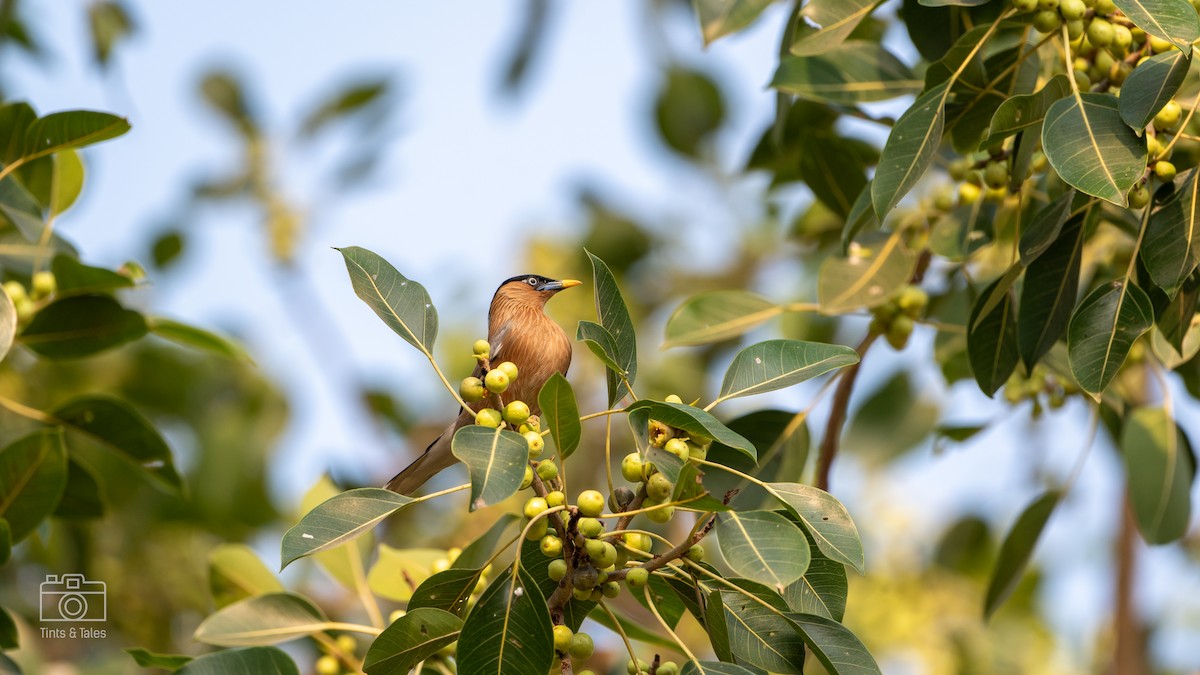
436,458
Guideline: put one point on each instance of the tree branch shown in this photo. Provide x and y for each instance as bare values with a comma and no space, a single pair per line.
837,416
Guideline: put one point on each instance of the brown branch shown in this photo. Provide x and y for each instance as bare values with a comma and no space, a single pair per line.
837,416
1129,653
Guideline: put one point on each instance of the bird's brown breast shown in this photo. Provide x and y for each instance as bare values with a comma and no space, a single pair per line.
535,343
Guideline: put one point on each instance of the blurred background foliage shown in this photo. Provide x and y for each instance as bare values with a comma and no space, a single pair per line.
227,420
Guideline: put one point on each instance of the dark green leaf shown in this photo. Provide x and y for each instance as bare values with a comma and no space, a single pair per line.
411,639
776,364
1091,148
122,431
761,636
1171,249
1176,319
82,496
1017,549
262,620
235,573
403,305
1048,295
602,343
109,25
6,541
509,631
9,639
340,519
833,169
784,441
73,277
866,277
354,98
614,317
666,601
1149,86
147,659
480,551
763,546
909,150
1171,20
689,109
71,129
15,119
196,338
861,218
690,419
496,459
1043,230
1102,330
534,564
19,208
633,628
256,660
823,24
560,414
992,340
825,519
852,72
834,645
82,326
1159,470
447,590
822,590
713,316
718,668
33,474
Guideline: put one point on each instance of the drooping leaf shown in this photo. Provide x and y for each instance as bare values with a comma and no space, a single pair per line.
1048,295
82,325
235,573
257,660
1092,148
824,24
909,150
614,317
690,419
70,129
1171,248
338,520
1017,549
776,364
15,119
120,430
496,459
509,631
196,338
839,650
1159,471
1172,20
343,563
866,277
21,210
852,72
1043,230
33,474
82,497
447,590
261,620
992,340
1151,85
74,278
560,414
719,18
713,316
784,444
147,659
825,519
397,573
404,305
761,636
1102,330
412,638
763,546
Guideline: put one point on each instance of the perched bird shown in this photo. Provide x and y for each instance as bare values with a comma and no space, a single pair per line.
518,331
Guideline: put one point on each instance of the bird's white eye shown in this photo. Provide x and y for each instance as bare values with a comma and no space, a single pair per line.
532,281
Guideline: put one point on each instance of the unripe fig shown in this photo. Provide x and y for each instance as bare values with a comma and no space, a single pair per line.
551,546
327,665
672,398
534,507
637,577
16,292
631,467
535,443
590,527
661,515
555,498
1169,116
481,348
638,541
995,174
557,569
667,668
1164,171
515,413
42,284
636,667
695,553
1139,196
496,381
547,469
586,578
1100,33
581,646
1024,5
1047,21
471,389
1072,9
678,447
488,417
508,368
610,589
538,529
590,503
562,638
968,193
528,479
659,488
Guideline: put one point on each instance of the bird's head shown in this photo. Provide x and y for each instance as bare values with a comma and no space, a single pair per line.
533,289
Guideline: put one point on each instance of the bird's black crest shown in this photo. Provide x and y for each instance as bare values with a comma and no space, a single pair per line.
524,278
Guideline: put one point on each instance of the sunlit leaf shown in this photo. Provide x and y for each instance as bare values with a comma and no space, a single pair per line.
397,573
1171,20
826,519
717,315
1103,329
853,72
633,628
70,129
992,340
1151,85
412,638
1092,148
560,414
909,150
266,619
403,305
824,24
120,430
344,563
235,573
838,650
866,277
509,631
496,459
8,323
257,660
82,325
1159,470
719,18
33,474
763,546
480,551
1017,549
776,364
340,519
1048,295
1171,248
690,419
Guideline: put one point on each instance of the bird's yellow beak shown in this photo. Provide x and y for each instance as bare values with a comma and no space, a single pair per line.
567,283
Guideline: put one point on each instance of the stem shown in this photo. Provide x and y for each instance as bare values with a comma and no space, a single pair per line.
360,586
352,627
28,412
666,627
608,454
602,413
620,631
331,646
837,415
440,493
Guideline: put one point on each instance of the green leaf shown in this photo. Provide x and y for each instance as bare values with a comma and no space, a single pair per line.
257,660
776,364
713,316
1048,295
719,18
121,431
763,546
1017,549
82,497
633,628
867,277
15,119
760,636
235,573
404,305
838,650
825,519
1150,86
785,443
822,590
262,620
411,639
147,659
834,169
1171,20
197,338
338,520
603,345
909,150
1102,330
953,3
480,551
75,278
1043,230
8,323
398,572
614,316
853,72
560,414
70,129
1025,111
33,474
81,326
1170,355
1171,247
6,542
509,631
861,218
1091,148
992,340
1159,470
690,419
19,208
354,98
824,24
534,568
496,459
9,638
66,181
344,563
669,606
447,590
718,668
